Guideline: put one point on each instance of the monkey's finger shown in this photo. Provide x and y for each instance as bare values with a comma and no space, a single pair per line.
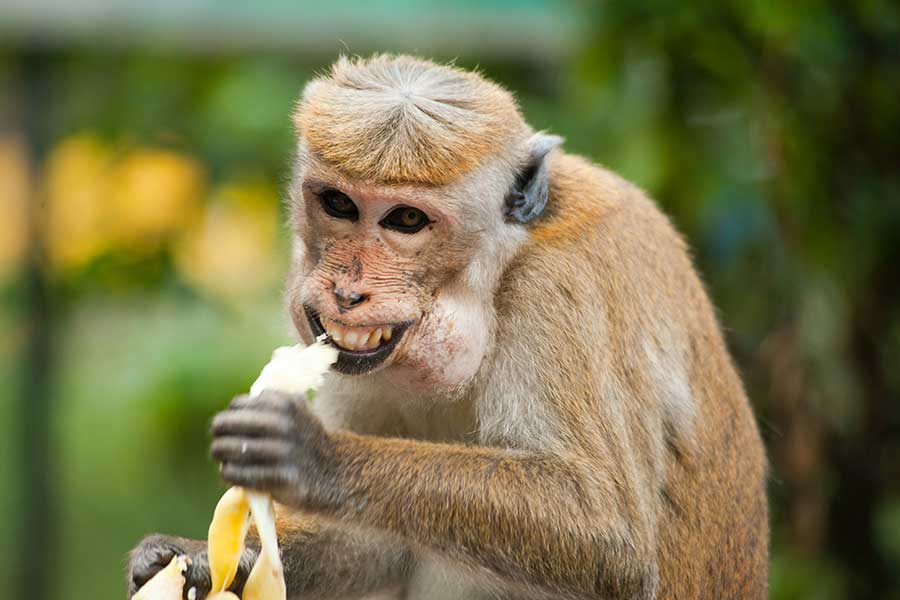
249,450
251,423
242,401
150,557
256,477
197,577
268,400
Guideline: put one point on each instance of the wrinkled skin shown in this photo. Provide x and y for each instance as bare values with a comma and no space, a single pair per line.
416,279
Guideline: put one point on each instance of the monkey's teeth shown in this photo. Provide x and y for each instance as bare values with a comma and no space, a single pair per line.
357,338
374,338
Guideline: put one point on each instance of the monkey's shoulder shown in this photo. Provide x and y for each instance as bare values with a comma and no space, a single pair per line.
590,207
599,230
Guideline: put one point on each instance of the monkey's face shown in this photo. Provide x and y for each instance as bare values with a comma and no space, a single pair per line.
378,269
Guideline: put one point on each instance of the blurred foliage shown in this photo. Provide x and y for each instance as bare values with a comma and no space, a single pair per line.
769,131
14,190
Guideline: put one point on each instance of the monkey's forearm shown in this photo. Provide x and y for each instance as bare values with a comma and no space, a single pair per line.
322,560
531,519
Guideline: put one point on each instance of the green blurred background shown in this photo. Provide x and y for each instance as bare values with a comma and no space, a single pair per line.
144,149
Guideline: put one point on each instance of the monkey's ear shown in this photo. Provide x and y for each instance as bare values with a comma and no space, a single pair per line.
528,196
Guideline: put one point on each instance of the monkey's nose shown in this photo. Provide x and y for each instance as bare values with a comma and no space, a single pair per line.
348,299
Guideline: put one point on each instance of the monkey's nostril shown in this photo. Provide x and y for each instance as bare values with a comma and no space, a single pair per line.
347,300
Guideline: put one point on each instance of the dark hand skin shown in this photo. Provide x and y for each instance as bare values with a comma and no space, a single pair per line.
275,444
155,552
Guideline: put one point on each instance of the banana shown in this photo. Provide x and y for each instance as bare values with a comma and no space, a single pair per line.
293,369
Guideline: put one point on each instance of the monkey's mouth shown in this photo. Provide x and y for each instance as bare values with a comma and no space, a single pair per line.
360,349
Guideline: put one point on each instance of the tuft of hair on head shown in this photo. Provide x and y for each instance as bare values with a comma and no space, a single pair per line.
400,119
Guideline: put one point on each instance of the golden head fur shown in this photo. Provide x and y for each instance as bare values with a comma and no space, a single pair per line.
398,119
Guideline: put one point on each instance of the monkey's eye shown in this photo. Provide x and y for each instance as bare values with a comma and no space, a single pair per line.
405,219
338,205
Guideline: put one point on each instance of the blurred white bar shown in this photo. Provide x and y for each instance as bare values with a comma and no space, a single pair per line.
524,29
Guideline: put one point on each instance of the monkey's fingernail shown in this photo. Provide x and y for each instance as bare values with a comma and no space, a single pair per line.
244,448
192,594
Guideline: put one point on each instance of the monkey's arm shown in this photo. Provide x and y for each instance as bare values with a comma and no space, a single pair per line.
534,519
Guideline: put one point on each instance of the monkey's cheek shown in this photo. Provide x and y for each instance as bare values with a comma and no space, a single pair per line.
299,317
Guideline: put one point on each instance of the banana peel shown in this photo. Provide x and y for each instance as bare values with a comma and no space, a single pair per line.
225,540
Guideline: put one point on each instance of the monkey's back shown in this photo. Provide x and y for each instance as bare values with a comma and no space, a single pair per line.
625,280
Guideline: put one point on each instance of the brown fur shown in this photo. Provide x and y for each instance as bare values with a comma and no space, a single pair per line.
703,482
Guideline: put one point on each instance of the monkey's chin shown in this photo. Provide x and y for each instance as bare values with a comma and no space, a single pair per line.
358,362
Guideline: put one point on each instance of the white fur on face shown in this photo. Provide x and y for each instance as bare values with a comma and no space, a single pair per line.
445,350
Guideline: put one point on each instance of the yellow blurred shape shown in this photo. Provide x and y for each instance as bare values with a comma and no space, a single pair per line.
14,191
231,251
99,201
168,584
227,531
77,220
154,193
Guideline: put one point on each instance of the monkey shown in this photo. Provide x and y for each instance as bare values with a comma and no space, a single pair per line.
533,397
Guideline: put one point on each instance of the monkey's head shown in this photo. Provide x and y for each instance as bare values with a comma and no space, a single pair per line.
414,187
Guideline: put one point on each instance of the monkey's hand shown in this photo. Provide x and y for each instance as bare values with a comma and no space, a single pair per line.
156,551
274,444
